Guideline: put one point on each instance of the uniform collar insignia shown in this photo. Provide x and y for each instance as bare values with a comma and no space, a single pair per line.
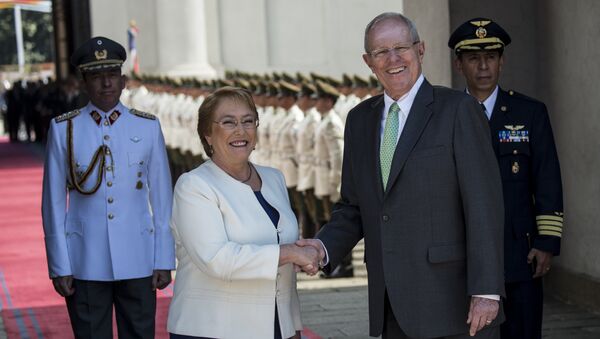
97,117
112,118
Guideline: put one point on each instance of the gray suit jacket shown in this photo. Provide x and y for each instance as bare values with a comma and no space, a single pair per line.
434,237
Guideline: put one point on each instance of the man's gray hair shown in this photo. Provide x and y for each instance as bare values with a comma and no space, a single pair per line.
414,35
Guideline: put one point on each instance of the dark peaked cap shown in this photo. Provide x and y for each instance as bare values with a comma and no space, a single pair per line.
98,53
478,34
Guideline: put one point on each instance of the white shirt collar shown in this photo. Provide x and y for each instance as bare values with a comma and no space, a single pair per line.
405,102
489,102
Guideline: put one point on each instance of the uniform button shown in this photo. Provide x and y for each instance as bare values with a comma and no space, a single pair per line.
106,137
151,230
142,162
105,123
109,168
515,152
109,183
110,216
107,151
110,200
139,174
278,230
385,218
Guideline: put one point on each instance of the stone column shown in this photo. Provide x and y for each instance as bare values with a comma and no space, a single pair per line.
181,38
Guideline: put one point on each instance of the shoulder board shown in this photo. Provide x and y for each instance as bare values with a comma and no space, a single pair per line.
142,114
67,116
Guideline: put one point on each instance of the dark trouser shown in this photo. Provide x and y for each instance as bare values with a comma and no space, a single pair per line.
327,207
310,228
299,207
90,308
523,308
391,329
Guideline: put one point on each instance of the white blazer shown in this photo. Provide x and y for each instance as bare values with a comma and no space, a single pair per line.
228,278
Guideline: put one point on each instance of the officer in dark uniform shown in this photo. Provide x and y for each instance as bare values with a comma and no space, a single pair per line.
523,142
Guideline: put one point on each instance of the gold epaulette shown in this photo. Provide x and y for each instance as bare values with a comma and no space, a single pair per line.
550,224
67,116
142,114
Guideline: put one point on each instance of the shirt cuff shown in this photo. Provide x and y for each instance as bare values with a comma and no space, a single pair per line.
488,296
325,261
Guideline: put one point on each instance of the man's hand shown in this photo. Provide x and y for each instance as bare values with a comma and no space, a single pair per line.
64,285
481,313
161,279
321,253
542,262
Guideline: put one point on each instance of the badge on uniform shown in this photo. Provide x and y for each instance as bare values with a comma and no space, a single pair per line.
515,167
513,133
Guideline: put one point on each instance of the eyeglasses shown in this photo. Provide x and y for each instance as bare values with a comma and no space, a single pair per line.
231,124
384,53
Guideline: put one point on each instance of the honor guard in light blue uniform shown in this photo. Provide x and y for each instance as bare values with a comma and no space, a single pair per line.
524,145
107,204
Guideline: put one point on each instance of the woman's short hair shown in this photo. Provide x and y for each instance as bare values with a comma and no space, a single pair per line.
207,110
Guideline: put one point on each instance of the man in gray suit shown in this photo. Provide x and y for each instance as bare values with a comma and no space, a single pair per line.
421,184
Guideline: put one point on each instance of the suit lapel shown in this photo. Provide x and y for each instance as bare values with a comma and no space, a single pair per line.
373,130
415,124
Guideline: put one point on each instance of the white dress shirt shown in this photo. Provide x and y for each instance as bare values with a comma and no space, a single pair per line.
489,102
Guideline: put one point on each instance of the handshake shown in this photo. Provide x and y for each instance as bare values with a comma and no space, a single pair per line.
306,254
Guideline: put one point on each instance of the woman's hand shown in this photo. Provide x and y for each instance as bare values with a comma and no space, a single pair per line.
305,257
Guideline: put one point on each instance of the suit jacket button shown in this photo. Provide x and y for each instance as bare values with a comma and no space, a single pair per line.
111,216
385,218
109,183
110,200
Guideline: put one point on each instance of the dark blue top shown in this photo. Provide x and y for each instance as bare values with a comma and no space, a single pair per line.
271,211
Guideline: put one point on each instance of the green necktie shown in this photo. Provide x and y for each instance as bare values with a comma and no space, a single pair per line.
388,146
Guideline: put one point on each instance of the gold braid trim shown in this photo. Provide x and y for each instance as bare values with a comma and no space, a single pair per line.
97,158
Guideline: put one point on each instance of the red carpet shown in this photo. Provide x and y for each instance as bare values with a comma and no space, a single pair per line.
29,305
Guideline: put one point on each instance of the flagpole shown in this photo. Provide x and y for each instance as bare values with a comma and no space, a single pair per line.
19,36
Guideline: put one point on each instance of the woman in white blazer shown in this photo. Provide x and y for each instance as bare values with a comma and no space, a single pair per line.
234,231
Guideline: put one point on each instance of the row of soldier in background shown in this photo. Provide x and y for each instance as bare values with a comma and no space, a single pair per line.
301,128
29,105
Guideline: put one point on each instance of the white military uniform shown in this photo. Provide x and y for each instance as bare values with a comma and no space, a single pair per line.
329,144
305,150
274,128
287,145
122,230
